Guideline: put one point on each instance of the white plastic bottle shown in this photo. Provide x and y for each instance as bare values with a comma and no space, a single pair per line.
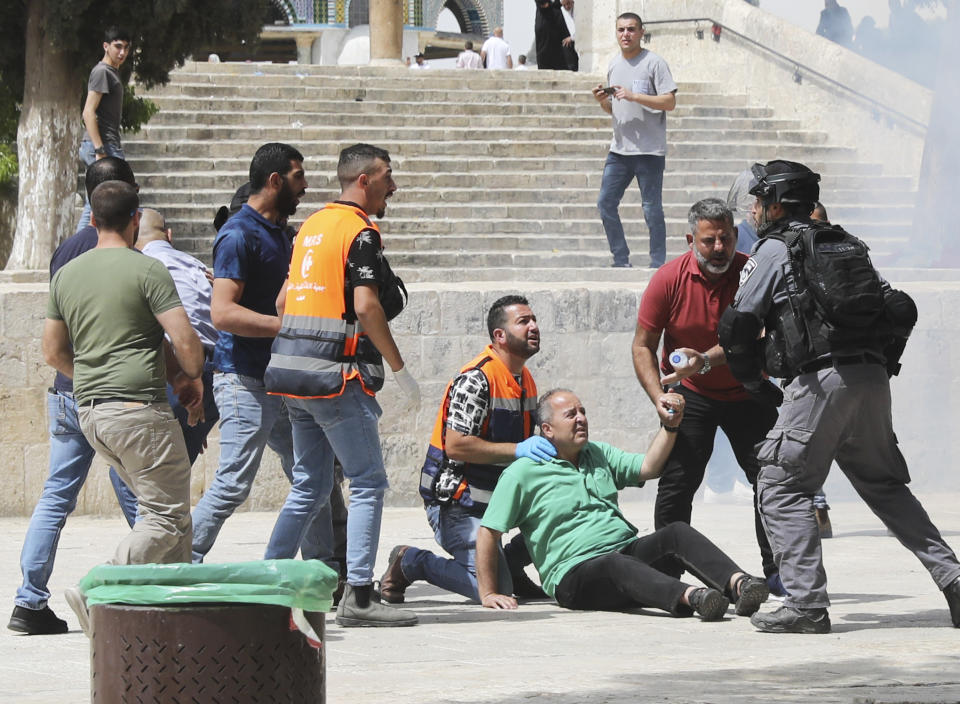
678,359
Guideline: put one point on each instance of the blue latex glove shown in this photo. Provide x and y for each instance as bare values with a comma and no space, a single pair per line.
536,447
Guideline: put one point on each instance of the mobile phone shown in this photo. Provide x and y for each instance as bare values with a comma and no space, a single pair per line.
609,90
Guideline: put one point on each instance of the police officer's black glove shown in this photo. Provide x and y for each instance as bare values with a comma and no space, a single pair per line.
766,392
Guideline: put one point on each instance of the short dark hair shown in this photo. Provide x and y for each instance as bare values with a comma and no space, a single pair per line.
114,203
497,316
273,157
358,159
109,168
819,206
631,16
112,34
468,44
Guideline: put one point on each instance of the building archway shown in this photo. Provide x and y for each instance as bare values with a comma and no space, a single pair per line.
470,15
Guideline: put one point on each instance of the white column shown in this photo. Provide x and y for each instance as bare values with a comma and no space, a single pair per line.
386,32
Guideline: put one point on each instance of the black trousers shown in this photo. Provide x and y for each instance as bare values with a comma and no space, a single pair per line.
745,423
634,577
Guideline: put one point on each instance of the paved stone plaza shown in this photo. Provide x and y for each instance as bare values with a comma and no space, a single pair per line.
891,641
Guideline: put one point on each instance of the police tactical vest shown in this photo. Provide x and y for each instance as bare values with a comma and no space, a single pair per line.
835,301
510,418
321,345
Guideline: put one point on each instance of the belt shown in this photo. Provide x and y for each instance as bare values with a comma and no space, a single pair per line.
840,361
116,399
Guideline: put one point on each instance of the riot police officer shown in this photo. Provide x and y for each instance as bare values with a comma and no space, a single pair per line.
833,330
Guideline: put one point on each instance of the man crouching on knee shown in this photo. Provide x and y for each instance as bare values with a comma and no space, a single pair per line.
588,555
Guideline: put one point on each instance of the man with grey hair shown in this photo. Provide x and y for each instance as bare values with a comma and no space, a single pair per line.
682,304
587,553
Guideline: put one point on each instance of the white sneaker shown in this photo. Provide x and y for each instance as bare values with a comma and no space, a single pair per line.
78,603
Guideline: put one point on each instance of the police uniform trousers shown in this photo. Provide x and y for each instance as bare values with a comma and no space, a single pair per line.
842,413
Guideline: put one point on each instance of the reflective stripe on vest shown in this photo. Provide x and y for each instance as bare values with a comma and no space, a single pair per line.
318,349
507,421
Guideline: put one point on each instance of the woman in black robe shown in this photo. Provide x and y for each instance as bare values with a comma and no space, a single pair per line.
550,31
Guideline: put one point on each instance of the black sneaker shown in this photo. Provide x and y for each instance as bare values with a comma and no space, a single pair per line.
709,603
36,622
788,619
952,593
751,592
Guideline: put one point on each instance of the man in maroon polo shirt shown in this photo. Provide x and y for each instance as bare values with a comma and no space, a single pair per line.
683,303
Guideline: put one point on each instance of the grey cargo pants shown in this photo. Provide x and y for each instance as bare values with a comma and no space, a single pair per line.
840,413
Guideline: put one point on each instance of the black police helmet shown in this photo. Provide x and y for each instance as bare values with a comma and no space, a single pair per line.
782,181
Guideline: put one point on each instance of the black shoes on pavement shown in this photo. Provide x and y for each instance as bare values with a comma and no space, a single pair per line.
750,593
709,603
36,622
788,619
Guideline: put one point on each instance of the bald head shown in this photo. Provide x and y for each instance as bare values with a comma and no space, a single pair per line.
498,32
152,228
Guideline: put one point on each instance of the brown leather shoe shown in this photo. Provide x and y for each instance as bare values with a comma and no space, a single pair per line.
393,583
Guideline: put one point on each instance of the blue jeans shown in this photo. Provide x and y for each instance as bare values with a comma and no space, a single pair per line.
250,420
88,156
345,426
618,172
456,532
70,458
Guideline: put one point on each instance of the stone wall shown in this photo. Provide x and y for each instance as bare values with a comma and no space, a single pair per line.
586,335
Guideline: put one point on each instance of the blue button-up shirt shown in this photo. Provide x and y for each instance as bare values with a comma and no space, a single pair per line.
189,276
251,249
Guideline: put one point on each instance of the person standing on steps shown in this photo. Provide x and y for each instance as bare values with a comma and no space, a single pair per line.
639,93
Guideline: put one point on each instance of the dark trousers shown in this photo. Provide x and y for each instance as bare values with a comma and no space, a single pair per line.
635,577
745,423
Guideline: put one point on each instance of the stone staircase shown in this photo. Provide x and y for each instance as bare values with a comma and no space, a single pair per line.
498,172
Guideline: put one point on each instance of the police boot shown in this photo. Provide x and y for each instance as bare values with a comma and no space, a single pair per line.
952,593
359,608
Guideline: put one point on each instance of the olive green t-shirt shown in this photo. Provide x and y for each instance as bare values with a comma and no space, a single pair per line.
567,514
109,299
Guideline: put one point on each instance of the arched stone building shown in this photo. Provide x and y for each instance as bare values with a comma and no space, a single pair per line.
473,16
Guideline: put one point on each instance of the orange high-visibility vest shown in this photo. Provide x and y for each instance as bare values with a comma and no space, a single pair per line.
320,346
510,418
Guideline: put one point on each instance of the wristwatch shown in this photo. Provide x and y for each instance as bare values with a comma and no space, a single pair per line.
100,151
706,364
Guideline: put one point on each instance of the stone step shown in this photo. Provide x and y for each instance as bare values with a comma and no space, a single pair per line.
724,169
324,190
340,91
486,133
203,149
242,74
427,109
866,185
193,120
556,213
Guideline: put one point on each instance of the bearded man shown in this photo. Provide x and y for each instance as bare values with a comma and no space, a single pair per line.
683,303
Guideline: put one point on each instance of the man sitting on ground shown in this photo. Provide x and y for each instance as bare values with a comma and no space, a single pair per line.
588,555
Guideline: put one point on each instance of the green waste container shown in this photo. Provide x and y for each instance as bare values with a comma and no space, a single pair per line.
235,632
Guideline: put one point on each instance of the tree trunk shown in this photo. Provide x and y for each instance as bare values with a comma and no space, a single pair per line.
47,139
935,216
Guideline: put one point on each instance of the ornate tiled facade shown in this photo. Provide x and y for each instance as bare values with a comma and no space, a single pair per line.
475,16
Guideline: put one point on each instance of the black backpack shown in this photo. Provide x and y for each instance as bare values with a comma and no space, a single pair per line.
833,288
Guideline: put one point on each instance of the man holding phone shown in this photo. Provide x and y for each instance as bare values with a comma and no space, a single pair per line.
640,92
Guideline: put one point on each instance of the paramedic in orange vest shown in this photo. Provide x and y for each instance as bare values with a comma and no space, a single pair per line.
486,421
327,361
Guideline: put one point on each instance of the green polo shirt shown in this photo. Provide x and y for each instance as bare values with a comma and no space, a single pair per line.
567,514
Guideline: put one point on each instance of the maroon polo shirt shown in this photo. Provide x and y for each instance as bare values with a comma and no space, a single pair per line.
686,307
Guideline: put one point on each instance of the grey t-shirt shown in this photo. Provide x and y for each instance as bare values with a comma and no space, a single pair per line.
638,129
105,79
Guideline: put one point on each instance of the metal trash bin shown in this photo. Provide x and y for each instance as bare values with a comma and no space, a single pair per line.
207,653
206,634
